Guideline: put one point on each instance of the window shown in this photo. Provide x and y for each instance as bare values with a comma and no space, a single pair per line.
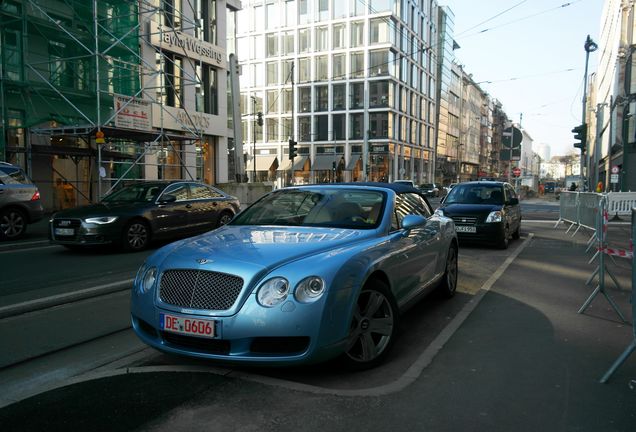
180,190
339,126
288,43
338,36
303,40
357,34
322,98
357,96
206,90
205,20
379,125
304,73
322,127
322,68
272,101
172,13
272,129
170,88
304,94
339,9
304,128
198,191
357,65
288,101
379,62
11,60
322,38
272,44
290,13
356,126
378,94
338,65
273,16
303,12
323,10
382,5
410,204
272,73
358,7
339,96
379,31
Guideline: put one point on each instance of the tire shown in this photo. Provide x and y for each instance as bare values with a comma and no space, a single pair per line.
505,238
448,285
136,235
517,233
373,327
13,224
224,218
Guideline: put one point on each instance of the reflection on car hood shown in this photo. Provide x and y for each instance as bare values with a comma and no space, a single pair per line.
101,209
236,248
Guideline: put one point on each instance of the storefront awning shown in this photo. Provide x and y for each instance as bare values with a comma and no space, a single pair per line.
263,163
352,163
325,162
299,164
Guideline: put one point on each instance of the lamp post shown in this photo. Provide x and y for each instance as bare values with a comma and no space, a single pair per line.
590,46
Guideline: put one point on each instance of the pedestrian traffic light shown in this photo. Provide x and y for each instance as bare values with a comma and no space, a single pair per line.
259,118
580,133
293,151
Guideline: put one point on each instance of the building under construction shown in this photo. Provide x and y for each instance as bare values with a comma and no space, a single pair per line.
97,93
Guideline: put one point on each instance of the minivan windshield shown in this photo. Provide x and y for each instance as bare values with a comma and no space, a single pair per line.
475,194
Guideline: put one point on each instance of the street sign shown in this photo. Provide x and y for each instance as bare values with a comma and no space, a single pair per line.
504,155
516,171
615,169
515,134
613,178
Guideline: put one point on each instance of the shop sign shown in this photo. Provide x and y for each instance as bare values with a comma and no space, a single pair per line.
179,119
379,149
186,45
132,113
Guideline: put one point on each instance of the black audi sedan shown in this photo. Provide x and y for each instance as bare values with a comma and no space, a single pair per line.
484,211
136,214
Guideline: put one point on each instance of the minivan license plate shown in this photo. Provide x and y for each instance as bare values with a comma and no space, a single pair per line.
188,326
466,229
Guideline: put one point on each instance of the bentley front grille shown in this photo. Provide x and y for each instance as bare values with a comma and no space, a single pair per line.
199,289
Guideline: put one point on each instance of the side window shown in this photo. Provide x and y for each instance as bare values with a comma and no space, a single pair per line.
510,193
180,190
200,192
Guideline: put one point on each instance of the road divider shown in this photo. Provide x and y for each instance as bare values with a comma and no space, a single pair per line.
60,299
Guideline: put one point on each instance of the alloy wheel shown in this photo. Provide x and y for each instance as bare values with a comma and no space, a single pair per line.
137,236
12,224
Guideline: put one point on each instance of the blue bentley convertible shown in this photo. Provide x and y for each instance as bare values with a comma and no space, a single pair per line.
303,275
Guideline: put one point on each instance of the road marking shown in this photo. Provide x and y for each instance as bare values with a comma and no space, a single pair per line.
424,359
58,299
6,245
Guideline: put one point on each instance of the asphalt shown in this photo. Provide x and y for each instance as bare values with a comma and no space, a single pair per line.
521,359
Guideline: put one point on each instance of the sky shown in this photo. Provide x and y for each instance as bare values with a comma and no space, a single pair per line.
533,56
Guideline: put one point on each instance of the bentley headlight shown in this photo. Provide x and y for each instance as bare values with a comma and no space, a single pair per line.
102,220
148,280
140,274
273,292
309,289
494,217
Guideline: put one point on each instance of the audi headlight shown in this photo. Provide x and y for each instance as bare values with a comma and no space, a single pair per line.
309,289
494,217
148,280
273,292
102,220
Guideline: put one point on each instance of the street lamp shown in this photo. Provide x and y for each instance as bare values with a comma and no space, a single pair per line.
590,46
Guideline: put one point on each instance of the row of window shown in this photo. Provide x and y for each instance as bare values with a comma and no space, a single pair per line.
338,127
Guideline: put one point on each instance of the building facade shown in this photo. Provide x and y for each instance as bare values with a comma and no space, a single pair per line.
352,82
96,93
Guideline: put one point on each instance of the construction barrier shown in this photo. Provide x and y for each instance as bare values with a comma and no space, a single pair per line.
621,203
632,346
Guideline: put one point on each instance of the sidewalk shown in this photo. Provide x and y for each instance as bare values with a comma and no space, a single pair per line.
523,360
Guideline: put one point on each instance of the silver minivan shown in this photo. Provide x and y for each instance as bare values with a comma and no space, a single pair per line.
20,202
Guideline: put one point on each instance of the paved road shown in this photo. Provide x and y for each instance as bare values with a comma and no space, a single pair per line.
519,358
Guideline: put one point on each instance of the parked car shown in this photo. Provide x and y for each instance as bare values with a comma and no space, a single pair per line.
20,202
305,274
484,211
430,190
405,182
138,213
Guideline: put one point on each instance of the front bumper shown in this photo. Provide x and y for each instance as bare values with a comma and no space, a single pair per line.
490,233
83,234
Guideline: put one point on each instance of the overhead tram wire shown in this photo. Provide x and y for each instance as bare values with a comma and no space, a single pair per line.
564,5
491,18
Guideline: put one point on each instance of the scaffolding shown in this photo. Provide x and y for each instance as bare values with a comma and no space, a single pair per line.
96,85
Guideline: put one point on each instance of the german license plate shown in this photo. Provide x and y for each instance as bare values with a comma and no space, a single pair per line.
188,326
466,229
64,231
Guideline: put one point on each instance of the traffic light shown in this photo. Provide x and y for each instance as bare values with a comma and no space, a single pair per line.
293,151
580,133
259,118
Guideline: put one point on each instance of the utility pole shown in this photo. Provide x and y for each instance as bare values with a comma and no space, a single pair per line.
253,139
293,128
